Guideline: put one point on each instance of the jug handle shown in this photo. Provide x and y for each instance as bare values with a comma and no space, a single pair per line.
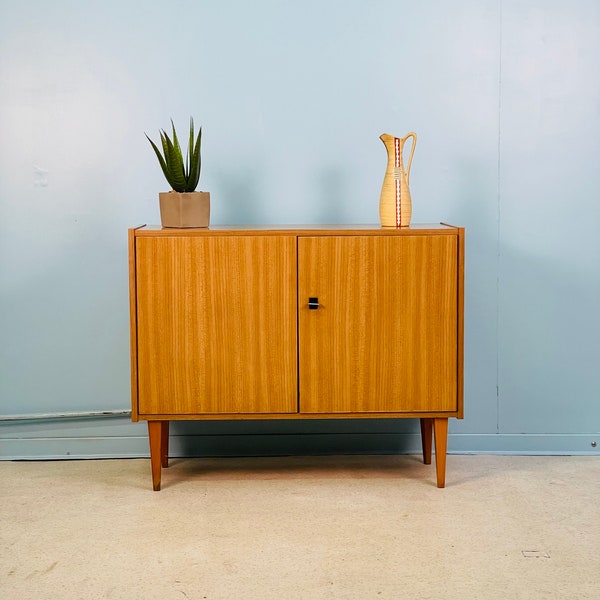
413,135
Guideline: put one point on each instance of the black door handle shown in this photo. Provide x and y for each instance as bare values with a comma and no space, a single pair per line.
313,303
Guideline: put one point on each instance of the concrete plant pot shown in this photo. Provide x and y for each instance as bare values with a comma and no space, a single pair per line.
185,209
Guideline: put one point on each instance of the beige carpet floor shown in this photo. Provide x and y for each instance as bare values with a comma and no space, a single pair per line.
302,528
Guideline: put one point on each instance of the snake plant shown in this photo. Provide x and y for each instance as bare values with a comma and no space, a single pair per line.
182,176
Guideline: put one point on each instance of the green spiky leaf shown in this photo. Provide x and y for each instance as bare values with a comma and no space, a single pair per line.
183,176
174,160
161,160
195,160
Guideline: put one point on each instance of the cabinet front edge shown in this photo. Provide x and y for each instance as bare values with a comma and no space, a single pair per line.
294,416
298,230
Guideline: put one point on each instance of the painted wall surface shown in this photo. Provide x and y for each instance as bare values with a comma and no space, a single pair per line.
292,97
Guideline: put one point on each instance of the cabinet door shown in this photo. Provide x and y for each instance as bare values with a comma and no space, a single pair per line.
217,325
384,338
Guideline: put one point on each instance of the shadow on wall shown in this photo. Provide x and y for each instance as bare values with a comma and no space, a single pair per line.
292,438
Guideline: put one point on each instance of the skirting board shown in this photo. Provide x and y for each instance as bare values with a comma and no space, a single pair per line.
135,446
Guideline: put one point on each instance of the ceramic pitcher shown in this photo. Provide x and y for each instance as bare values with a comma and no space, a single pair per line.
395,207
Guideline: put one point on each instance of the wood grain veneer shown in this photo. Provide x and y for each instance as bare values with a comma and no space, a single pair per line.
384,338
216,323
221,328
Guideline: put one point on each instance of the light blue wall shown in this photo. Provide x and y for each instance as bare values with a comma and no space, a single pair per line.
292,96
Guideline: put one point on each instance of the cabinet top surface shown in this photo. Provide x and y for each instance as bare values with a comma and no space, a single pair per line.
416,228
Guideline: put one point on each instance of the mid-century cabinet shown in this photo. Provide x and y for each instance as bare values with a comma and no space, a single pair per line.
295,322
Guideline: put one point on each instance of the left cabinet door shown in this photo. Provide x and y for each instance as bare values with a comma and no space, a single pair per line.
216,324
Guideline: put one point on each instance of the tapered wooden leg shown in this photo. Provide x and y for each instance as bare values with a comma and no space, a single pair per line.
426,437
164,444
440,427
155,435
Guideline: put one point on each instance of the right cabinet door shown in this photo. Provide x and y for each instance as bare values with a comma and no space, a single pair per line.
384,335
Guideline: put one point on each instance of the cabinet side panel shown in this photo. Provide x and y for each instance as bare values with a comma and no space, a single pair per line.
461,321
133,325
384,338
217,324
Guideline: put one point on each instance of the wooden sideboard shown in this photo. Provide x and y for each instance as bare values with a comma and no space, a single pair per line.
297,322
